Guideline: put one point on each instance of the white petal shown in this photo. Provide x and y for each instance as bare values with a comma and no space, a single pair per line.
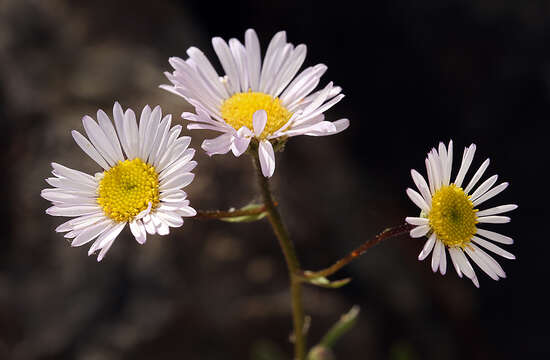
443,261
89,149
138,230
176,182
104,250
494,248
489,260
76,210
149,225
149,131
419,231
161,227
418,200
66,184
479,173
495,236
486,185
302,85
449,163
170,218
118,115
465,266
428,246
64,198
73,174
228,63
99,140
91,233
145,212
494,219
491,193
430,176
218,145
417,220
208,72
454,258
422,186
110,132
267,158
259,119
96,243
182,165
273,49
465,165
186,211
241,141
481,263
253,58
107,238
436,255
497,210
159,144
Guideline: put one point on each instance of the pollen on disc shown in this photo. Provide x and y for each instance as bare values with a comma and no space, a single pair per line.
452,216
237,111
127,189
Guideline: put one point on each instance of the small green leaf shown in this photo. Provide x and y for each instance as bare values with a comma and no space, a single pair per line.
323,350
247,218
326,283
320,352
341,327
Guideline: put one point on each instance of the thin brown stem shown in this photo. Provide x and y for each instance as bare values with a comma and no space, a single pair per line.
386,234
290,257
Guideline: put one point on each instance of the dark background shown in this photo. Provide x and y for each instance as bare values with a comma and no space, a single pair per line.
414,72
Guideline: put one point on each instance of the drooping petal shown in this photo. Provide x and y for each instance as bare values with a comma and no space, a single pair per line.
267,158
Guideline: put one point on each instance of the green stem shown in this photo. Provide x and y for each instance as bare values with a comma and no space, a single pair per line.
290,257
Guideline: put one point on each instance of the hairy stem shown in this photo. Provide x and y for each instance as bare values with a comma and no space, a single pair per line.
291,259
386,234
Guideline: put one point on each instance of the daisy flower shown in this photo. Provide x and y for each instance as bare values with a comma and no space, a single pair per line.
264,101
144,169
450,216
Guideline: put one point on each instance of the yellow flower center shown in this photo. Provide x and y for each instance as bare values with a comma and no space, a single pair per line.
237,111
453,217
127,189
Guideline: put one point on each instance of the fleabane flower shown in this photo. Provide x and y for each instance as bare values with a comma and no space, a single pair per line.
450,215
145,167
257,100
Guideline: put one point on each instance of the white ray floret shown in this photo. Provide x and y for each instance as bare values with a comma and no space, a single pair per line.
145,165
450,215
262,99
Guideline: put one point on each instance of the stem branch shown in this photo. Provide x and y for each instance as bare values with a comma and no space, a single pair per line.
386,234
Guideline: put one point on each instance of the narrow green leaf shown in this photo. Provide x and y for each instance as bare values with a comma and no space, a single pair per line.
320,352
341,327
247,218
326,283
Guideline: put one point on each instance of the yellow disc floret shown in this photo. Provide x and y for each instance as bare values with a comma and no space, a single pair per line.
452,216
127,189
237,111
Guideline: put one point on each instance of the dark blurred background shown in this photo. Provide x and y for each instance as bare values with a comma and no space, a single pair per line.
414,72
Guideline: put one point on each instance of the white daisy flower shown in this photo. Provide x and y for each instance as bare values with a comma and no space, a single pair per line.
450,215
145,168
254,100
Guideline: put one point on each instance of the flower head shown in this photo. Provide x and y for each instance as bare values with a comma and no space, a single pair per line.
145,167
254,100
450,216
